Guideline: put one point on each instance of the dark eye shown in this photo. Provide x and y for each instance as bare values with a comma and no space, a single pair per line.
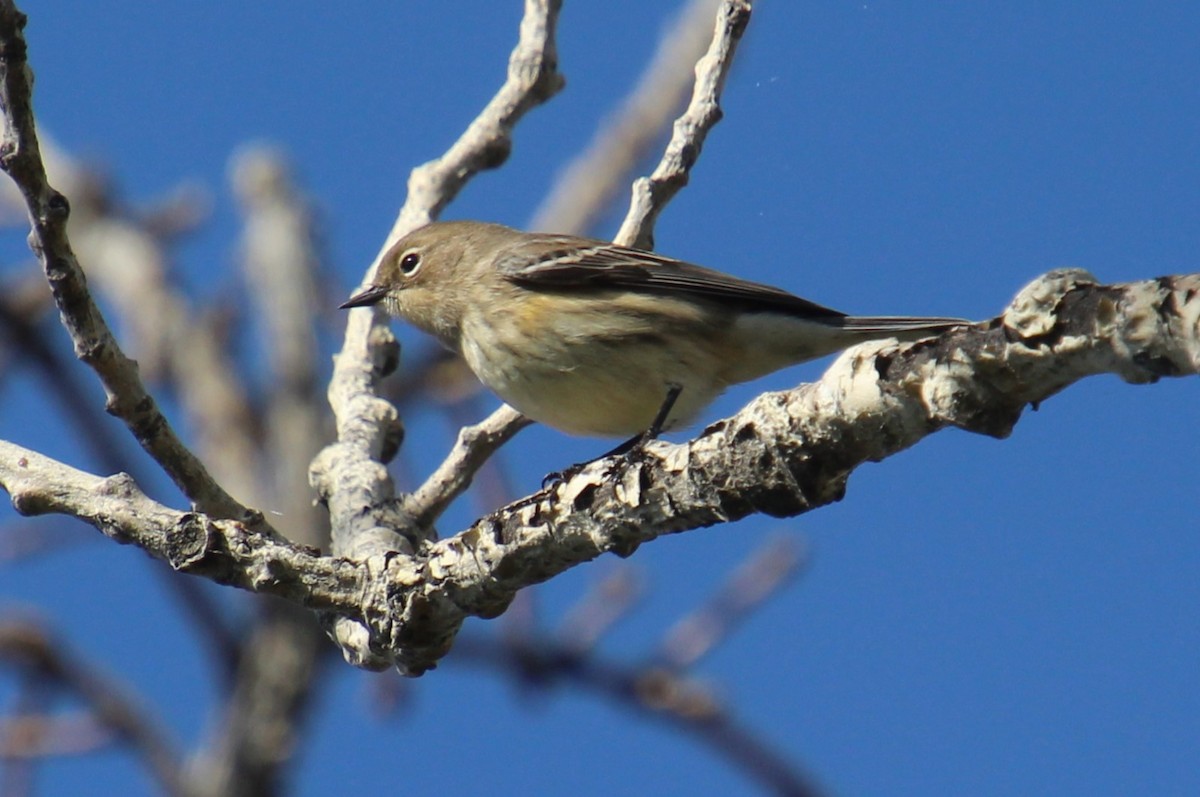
410,263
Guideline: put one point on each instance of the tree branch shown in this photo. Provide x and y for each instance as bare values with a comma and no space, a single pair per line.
222,550
784,454
94,343
675,700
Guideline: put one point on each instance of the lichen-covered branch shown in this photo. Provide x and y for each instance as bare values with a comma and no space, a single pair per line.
651,194
222,550
784,454
787,453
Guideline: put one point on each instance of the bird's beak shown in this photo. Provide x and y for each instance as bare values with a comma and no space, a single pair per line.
372,295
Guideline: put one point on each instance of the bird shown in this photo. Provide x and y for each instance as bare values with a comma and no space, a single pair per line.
601,340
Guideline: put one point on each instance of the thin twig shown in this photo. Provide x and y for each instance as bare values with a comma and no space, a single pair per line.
651,194
604,604
533,78
587,186
474,446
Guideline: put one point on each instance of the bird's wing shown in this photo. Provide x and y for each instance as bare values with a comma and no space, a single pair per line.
600,265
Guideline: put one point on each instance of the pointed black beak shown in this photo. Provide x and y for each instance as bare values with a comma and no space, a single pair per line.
372,295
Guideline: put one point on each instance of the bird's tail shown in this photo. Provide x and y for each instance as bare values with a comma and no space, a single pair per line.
899,325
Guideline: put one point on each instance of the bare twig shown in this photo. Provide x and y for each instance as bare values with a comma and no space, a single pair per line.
94,342
473,447
533,78
651,194
586,187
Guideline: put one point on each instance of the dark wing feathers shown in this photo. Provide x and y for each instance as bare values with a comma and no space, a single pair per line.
610,266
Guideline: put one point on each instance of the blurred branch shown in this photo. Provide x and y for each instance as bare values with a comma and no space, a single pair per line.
606,603
264,712
174,344
263,719
30,343
651,194
538,659
24,540
680,702
91,426
31,736
281,264
754,580
24,645
586,187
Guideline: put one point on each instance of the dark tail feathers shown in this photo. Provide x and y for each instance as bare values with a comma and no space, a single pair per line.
886,324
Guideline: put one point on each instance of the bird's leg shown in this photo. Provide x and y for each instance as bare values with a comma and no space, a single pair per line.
656,426
630,447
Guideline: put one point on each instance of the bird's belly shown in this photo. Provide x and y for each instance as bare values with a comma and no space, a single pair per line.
598,386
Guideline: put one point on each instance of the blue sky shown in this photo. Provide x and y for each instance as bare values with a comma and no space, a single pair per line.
977,616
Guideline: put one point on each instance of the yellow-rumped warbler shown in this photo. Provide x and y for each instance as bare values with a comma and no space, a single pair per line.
597,339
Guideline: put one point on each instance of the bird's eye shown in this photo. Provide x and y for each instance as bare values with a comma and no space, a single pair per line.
410,263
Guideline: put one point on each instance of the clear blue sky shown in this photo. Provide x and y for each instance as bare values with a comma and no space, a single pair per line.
978,617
